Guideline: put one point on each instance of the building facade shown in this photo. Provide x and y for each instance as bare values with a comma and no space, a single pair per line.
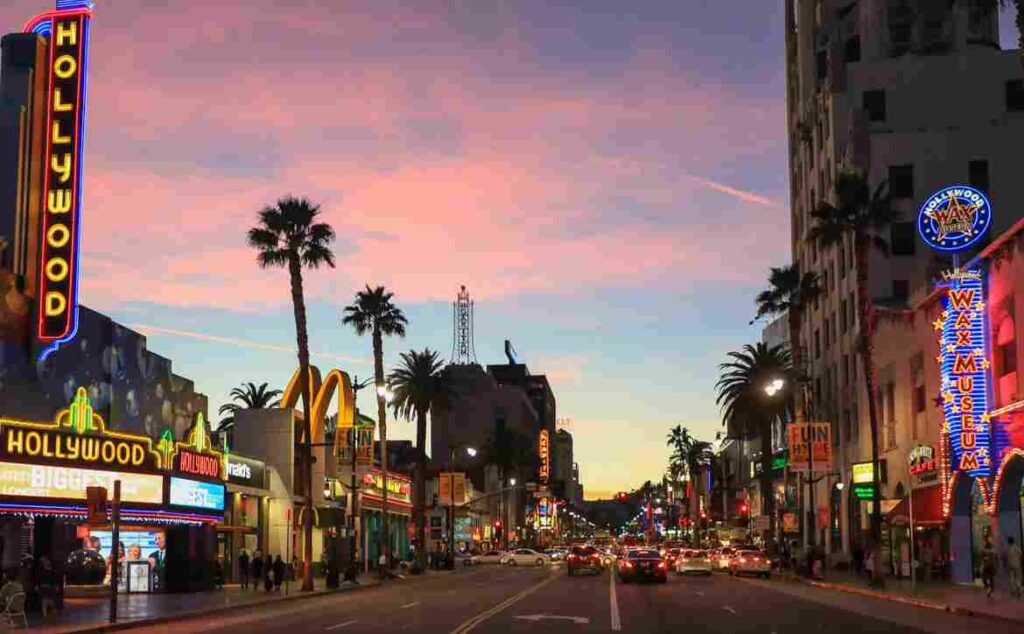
868,88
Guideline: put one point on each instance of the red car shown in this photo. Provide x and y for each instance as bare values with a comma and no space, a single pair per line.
638,565
672,555
583,558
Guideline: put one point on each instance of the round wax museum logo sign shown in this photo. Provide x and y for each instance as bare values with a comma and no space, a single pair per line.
954,218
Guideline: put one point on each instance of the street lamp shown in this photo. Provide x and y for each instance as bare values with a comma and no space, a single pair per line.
385,393
774,387
471,452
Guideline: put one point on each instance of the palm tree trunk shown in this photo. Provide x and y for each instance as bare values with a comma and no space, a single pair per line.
865,315
378,374
767,495
421,482
302,336
797,356
692,499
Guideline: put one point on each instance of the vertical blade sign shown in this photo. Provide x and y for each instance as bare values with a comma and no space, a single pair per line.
61,197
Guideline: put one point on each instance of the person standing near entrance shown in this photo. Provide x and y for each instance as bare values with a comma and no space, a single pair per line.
256,568
988,568
1013,567
243,568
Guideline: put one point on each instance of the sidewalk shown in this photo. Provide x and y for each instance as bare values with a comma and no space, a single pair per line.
92,614
938,595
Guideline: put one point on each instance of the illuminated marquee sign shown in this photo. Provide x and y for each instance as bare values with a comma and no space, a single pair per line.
964,368
70,483
544,450
77,435
399,488
67,29
200,495
922,460
196,456
954,218
245,471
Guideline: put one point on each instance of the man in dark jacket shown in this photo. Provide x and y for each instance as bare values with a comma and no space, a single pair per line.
243,568
278,573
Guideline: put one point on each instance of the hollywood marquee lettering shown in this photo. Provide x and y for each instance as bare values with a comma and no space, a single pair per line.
58,271
544,450
194,463
964,374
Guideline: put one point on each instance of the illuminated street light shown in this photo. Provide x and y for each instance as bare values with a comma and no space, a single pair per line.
512,481
471,451
774,387
385,392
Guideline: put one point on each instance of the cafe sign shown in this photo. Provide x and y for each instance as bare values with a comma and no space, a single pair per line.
399,487
78,436
922,460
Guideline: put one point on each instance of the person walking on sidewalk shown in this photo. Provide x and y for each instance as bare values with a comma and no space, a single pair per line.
278,567
988,568
268,573
243,568
1013,567
257,569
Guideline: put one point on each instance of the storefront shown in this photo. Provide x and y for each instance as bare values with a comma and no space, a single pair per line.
398,516
245,512
171,498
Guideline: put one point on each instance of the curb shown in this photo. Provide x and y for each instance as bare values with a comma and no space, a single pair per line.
950,608
197,614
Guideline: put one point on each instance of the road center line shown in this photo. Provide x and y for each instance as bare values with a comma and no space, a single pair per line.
729,609
483,616
340,625
613,602
410,605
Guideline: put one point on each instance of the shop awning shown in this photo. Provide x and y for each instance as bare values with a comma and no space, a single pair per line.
927,508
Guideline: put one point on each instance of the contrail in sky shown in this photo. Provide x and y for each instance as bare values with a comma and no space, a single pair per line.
147,329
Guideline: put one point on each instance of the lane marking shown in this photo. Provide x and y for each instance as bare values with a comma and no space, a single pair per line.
729,610
340,625
410,605
483,616
614,603
578,620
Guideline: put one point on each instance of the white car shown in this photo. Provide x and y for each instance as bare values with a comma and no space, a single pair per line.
692,561
750,562
526,557
490,557
556,554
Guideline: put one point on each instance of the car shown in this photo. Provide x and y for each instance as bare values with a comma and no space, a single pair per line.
671,555
526,557
692,561
556,554
468,560
490,557
583,559
750,562
608,558
722,558
643,564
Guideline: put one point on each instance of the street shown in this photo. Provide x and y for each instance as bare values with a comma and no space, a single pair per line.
492,599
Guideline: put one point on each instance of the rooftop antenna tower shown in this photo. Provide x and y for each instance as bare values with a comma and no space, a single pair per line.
462,344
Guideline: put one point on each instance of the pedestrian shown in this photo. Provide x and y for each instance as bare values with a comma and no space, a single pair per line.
869,563
382,565
279,569
1013,567
988,568
243,568
858,560
927,561
256,568
268,573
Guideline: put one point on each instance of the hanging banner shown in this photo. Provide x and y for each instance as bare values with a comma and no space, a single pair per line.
801,442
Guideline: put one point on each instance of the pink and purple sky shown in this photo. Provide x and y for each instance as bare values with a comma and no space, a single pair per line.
608,179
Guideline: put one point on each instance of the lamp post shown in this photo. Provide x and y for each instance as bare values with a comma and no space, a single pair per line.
508,504
384,393
470,451
773,388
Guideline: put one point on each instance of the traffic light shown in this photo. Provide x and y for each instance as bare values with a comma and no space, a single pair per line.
703,514
621,496
743,509
497,524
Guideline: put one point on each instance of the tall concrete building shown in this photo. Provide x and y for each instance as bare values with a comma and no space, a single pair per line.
919,95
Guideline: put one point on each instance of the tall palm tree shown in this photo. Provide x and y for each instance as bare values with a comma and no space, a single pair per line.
746,410
791,292
374,312
693,456
865,215
418,383
246,396
289,235
680,440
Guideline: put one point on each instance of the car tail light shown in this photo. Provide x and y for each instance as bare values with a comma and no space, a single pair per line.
742,560
595,556
572,557
628,564
661,565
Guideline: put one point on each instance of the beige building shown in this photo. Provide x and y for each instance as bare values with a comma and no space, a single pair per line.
920,96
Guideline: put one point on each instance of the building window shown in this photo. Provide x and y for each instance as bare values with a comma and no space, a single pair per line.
1015,95
851,50
901,181
874,104
977,174
901,289
902,238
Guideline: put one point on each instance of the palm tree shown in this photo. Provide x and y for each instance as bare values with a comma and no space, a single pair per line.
680,440
374,312
791,292
747,412
418,383
693,456
864,215
288,235
246,396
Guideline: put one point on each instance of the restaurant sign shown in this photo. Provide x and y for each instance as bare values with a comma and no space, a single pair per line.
245,471
922,460
77,435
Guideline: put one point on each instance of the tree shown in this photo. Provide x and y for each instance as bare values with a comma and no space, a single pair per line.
374,312
688,452
288,235
864,215
418,383
791,292
747,412
246,396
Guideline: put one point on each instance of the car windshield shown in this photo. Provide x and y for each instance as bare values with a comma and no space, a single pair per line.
726,551
645,554
751,553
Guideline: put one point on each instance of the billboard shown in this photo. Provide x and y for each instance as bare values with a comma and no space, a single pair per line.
201,495
70,483
804,437
446,481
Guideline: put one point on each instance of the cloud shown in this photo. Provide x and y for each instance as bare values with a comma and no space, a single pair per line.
561,370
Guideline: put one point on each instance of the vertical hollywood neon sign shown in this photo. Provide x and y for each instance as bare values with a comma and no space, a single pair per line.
57,298
964,366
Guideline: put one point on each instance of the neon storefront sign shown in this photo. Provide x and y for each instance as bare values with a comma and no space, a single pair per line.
954,218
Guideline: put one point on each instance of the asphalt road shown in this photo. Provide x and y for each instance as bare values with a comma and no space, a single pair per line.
493,600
